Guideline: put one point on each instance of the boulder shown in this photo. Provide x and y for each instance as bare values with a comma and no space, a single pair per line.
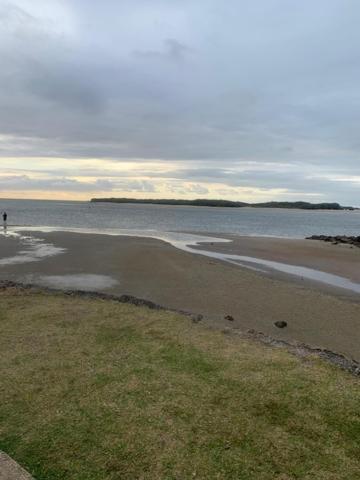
280,324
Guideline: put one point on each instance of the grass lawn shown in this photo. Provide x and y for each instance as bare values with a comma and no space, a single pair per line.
97,390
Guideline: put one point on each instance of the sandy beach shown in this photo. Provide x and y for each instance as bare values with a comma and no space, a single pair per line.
316,314
342,260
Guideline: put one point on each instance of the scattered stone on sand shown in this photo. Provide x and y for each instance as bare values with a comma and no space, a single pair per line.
10,470
226,331
337,239
229,318
280,324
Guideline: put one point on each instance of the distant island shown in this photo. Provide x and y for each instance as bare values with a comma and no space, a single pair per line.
204,202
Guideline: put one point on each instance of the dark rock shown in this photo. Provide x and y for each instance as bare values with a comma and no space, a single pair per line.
229,318
337,239
280,324
196,318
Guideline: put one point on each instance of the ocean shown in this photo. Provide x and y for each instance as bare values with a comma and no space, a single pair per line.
162,218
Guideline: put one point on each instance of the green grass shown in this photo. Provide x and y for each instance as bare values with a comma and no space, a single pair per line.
97,390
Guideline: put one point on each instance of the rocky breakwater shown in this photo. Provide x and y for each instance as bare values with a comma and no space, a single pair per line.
337,239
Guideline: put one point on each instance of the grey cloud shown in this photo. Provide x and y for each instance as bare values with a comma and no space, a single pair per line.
12,16
172,50
136,186
25,182
293,180
65,89
198,189
219,83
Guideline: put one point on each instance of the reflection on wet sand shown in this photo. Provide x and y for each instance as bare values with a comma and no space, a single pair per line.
186,242
82,281
35,250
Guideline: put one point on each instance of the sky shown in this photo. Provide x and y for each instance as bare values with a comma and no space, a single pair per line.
250,100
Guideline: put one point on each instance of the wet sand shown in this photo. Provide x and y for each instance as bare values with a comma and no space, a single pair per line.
342,259
316,315
9,246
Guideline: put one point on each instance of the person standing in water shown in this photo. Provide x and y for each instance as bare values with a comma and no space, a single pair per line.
4,220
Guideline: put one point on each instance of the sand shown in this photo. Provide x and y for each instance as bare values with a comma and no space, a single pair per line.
342,259
316,315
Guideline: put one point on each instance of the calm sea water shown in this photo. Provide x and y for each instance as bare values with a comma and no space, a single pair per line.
242,221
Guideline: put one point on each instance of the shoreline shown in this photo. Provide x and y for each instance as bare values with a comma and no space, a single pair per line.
300,350
295,259
317,263
156,271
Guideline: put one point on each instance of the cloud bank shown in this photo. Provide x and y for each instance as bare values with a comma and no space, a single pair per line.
236,99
